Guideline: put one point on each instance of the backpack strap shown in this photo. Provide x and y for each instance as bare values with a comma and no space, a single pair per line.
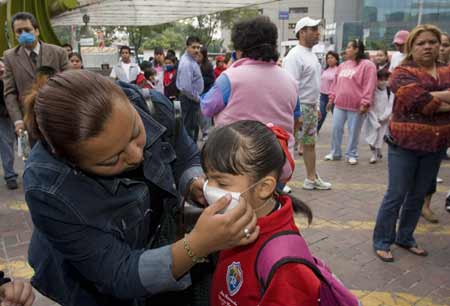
281,248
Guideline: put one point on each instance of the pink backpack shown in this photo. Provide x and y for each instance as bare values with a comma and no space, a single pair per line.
289,246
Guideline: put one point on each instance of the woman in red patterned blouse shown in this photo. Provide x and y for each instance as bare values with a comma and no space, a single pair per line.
419,134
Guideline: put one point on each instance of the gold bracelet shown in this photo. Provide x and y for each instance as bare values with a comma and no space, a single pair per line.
194,258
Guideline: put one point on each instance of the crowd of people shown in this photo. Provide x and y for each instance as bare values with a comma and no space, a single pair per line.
113,163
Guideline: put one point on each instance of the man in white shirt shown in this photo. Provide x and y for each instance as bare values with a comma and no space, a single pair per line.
304,66
125,70
399,42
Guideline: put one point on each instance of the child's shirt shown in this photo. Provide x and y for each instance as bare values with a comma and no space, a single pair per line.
235,283
382,104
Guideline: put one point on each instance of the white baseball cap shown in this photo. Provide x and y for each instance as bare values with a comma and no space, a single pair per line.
306,22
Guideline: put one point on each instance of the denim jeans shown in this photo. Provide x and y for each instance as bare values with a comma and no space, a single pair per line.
191,115
323,110
7,139
410,175
354,122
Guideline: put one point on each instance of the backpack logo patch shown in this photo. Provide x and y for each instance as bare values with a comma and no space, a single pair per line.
235,278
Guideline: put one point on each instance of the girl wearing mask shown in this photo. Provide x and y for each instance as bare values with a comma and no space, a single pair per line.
170,77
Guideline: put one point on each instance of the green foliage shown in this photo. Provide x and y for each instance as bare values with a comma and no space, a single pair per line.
173,35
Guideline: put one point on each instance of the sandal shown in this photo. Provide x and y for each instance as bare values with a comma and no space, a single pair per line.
384,258
414,250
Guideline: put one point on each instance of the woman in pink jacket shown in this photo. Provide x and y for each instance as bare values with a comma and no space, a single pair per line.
352,94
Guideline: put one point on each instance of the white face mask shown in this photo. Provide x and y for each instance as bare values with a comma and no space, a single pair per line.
212,194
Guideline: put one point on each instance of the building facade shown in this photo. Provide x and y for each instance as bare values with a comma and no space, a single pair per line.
373,21
377,21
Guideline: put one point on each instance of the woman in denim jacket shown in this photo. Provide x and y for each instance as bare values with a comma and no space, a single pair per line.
97,183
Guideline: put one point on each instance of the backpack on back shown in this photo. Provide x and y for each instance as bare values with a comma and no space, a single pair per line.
290,247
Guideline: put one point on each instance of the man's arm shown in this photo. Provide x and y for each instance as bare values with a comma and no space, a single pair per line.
11,94
63,59
185,75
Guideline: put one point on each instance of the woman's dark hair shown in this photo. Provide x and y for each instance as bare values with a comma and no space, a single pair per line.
205,61
171,52
72,54
257,39
250,148
158,50
70,108
333,54
358,44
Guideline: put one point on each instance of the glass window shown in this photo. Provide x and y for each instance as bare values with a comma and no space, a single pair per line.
298,10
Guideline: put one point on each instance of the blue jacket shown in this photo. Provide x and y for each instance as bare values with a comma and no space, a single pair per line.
90,241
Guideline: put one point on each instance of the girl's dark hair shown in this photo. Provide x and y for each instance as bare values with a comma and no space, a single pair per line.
383,74
333,54
171,58
250,148
256,38
72,54
70,108
358,44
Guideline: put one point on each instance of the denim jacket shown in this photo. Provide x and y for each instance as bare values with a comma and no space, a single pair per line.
90,233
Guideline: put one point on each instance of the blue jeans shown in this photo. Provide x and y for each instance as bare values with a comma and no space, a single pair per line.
323,110
410,175
191,115
355,121
7,139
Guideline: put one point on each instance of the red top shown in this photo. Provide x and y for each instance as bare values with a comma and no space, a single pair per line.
142,82
415,123
234,281
218,71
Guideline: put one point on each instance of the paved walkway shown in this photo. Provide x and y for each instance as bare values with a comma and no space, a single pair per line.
340,234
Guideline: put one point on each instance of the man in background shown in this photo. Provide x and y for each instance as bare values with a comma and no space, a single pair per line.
190,84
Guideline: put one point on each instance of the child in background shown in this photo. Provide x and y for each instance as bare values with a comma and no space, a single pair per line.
170,76
376,123
220,66
246,159
147,79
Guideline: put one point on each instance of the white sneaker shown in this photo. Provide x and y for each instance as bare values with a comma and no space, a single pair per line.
318,183
330,157
439,180
287,189
373,159
352,161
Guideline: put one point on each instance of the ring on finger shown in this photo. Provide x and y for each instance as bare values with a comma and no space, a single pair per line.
247,233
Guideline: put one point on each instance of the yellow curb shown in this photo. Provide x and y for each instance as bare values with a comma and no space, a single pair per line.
434,229
378,298
17,269
363,187
18,205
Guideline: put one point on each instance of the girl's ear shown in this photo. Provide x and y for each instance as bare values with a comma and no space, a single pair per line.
266,187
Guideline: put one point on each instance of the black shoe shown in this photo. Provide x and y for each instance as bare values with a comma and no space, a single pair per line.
12,184
447,204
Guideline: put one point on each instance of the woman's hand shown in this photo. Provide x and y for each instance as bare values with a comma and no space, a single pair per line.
329,106
364,108
214,231
16,293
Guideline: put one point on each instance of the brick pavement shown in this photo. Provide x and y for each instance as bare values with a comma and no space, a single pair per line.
340,234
